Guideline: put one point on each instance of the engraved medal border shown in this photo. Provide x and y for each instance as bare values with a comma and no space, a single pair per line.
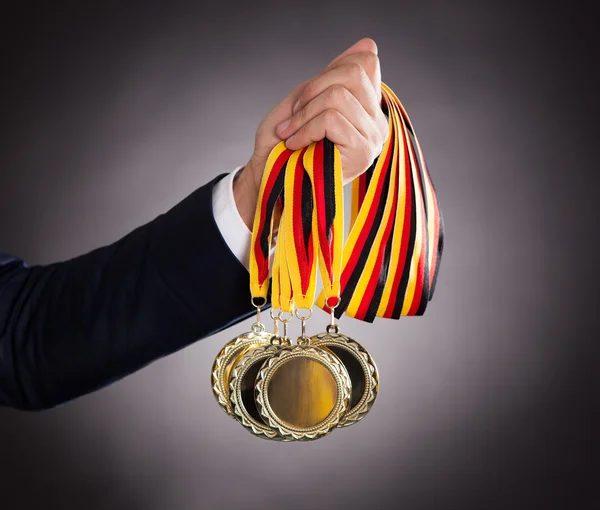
367,363
339,373
257,355
231,351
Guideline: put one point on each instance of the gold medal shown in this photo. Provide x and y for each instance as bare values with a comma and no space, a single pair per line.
229,356
303,391
242,388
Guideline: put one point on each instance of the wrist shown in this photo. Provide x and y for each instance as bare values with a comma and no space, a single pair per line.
246,188
245,192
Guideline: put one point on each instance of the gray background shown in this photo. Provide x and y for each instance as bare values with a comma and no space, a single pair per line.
112,114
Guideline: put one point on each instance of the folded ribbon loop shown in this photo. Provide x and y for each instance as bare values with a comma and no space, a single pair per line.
389,263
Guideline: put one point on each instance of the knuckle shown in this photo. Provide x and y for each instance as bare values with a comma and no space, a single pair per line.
337,94
309,91
370,63
331,117
371,59
301,115
356,73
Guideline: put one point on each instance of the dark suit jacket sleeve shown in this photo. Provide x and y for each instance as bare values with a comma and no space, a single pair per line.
72,327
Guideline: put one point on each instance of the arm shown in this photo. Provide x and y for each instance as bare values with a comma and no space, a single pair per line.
72,327
69,328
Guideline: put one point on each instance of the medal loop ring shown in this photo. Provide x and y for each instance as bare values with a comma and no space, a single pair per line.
258,307
303,339
258,328
332,328
306,316
264,302
285,320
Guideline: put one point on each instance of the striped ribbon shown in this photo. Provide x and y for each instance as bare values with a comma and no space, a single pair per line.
271,189
389,263
323,165
299,241
281,291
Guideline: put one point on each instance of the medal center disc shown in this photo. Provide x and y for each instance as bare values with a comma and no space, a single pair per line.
302,392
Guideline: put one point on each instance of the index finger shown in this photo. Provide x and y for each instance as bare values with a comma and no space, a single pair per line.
368,61
365,44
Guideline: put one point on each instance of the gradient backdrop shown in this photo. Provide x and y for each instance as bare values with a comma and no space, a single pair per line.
111,114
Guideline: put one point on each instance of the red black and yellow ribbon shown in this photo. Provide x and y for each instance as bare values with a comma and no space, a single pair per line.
389,263
323,164
300,249
271,190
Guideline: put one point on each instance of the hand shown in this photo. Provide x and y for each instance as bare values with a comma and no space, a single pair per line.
342,103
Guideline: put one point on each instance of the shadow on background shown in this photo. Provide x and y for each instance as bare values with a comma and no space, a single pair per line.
111,114
45,465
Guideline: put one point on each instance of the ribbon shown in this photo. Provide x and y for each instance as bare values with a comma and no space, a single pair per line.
323,165
389,264
299,241
271,189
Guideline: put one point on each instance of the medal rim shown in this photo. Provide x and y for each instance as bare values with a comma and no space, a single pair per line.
340,376
370,373
230,350
258,355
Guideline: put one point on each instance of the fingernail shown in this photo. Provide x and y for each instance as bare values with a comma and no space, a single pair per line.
296,106
282,126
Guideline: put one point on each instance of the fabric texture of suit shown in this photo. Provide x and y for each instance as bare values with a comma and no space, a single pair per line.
72,327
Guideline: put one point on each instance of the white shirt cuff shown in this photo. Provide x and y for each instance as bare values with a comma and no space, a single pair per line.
231,225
